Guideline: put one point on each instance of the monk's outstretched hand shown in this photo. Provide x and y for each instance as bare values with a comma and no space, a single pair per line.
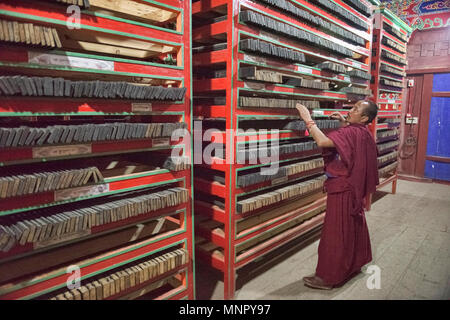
337,116
304,112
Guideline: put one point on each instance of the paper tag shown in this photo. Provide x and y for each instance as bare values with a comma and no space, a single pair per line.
304,70
68,61
318,113
61,151
391,101
269,36
396,27
62,238
279,180
161,142
73,193
254,85
141,107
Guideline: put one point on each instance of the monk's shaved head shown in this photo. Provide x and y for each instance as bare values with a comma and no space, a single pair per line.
370,109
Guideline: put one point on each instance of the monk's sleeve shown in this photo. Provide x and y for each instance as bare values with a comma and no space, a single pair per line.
343,144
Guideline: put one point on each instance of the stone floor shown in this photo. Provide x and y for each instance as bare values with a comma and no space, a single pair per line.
410,234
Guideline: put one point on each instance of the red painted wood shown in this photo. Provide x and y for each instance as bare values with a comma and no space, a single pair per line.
210,187
207,5
210,210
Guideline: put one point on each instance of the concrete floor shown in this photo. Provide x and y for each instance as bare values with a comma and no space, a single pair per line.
410,235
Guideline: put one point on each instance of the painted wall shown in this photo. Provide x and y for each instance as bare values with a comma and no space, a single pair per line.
421,14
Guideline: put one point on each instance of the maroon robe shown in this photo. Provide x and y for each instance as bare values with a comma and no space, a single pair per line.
352,174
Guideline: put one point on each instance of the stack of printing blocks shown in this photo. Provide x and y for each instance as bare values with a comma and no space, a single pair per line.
66,134
28,33
60,87
126,278
280,194
35,227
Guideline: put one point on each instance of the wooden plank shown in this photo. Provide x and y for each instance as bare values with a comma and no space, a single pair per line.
144,11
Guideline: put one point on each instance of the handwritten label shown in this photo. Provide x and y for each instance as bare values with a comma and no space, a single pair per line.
269,36
279,180
254,85
61,151
73,193
141,107
161,142
304,70
63,238
254,59
67,61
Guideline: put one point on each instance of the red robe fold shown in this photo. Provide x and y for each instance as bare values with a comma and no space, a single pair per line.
352,169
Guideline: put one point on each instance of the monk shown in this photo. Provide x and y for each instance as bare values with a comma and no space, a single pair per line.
350,156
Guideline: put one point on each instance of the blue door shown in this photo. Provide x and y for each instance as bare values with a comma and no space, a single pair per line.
439,131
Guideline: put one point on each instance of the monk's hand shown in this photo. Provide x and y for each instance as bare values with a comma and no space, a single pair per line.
337,116
304,112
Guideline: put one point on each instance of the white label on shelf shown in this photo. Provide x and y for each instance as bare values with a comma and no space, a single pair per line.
347,78
254,59
254,85
141,107
304,70
318,113
67,61
396,27
356,64
73,193
161,142
269,36
61,151
279,180
63,238
391,101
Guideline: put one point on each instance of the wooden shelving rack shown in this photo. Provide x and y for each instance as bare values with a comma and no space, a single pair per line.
225,69
127,253
390,37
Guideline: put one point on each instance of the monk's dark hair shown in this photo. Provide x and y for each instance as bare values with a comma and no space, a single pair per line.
370,110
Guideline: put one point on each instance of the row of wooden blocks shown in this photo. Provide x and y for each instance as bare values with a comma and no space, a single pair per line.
265,48
18,185
391,83
297,12
255,102
396,59
288,148
394,45
34,227
66,134
357,91
60,87
388,145
360,6
290,31
27,33
387,133
331,66
355,73
389,69
391,120
387,157
122,281
283,171
391,167
300,125
336,9
395,32
280,194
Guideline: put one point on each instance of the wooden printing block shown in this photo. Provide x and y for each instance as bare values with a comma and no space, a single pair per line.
145,271
92,291
61,296
84,293
123,280
98,290
16,31
116,280
112,286
75,294
106,288
48,86
137,278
